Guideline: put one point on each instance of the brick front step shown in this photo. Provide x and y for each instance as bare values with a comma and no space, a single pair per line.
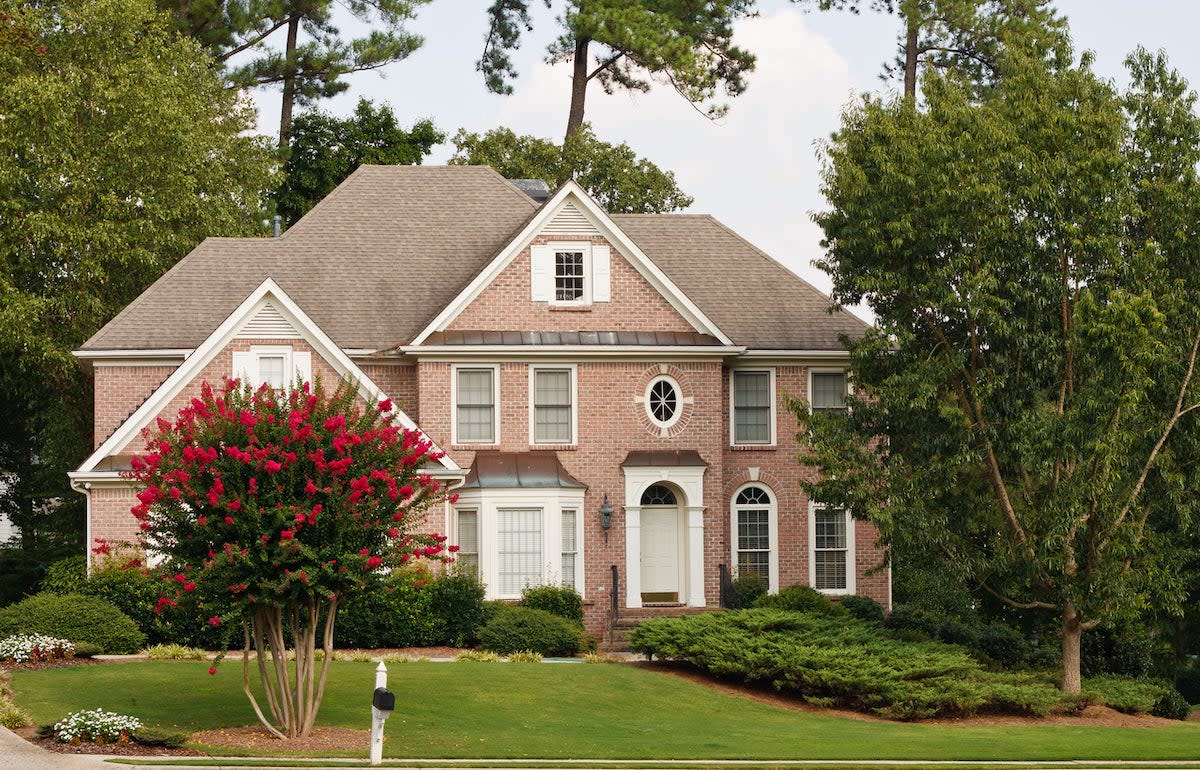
629,619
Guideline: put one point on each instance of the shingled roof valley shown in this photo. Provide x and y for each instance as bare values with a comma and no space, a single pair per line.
375,261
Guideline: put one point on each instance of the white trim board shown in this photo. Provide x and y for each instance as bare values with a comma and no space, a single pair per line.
571,192
267,291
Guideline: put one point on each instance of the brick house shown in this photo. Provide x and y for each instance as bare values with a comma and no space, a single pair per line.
609,389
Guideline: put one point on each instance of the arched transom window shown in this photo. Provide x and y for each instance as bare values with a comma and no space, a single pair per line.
658,494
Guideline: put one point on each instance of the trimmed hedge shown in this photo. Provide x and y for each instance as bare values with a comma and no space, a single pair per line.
562,601
78,618
845,662
412,608
517,629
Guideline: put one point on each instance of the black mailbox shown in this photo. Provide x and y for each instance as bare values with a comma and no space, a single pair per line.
384,700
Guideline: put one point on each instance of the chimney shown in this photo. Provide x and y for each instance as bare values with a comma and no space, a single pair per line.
534,188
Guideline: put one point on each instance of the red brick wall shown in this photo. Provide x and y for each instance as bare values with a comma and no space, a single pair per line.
506,304
119,391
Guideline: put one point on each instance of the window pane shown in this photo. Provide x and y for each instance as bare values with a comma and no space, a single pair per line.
752,407
754,563
468,541
831,529
830,545
829,390
568,548
552,406
270,371
520,549
830,571
753,534
663,401
568,276
476,407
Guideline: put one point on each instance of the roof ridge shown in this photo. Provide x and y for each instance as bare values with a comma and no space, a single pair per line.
780,266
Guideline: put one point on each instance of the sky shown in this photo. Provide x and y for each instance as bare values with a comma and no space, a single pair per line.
757,169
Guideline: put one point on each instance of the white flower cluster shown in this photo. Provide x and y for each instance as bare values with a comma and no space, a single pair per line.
97,725
34,648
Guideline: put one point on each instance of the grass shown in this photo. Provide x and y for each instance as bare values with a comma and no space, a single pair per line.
530,710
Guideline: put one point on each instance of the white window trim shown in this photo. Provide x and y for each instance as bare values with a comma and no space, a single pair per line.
295,363
552,502
772,532
827,370
773,396
588,278
679,402
454,369
574,386
457,534
851,566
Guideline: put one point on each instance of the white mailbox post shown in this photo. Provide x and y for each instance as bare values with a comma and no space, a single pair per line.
383,703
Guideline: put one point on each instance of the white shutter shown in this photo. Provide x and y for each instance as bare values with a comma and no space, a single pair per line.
540,274
302,363
244,368
601,277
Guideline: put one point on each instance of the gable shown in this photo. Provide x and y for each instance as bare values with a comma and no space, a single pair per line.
512,302
527,285
303,348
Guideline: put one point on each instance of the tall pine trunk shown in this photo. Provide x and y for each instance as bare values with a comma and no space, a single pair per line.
579,84
910,56
289,82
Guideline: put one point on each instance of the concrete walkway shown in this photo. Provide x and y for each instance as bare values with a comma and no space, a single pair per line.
18,754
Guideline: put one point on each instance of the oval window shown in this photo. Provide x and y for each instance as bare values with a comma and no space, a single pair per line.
663,401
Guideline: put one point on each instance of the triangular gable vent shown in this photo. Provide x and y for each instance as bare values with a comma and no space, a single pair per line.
570,221
269,324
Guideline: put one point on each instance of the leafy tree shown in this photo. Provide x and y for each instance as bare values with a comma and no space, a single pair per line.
119,151
686,44
306,69
271,508
325,150
968,36
612,174
1030,384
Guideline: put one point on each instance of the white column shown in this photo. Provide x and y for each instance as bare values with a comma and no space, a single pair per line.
633,556
695,553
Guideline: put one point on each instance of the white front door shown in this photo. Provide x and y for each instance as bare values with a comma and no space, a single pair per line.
660,553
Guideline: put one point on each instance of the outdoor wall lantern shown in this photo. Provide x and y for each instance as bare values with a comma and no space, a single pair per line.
606,512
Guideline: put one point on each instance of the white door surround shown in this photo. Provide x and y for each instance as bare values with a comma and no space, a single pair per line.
687,482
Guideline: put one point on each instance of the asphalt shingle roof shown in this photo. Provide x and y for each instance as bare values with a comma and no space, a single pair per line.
386,251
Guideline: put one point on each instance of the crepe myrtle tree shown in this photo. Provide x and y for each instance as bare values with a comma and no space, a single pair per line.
271,507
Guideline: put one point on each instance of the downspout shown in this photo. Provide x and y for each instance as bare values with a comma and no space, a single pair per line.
85,488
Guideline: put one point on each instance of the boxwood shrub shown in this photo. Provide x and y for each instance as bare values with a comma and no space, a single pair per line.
802,598
78,618
744,590
557,600
516,629
864,608
413,608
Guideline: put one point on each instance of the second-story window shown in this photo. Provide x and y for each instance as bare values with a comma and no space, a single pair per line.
551,408
752,417
568,276
475,407
828,392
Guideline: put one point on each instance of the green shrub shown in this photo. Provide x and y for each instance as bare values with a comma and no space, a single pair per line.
1171,705
1003,644
744,590
864,608
845,662
524,628
75,617
456,603
87,650
1188,683
477,656
174,652
905,617
562,601
393,613
524,656
11,716
65,576
996,642
160,737
1120,652
802,598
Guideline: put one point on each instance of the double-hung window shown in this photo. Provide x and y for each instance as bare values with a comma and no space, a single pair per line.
752,511
828,392
568,275
552,396
468,542
570,547
753,415
279,367
832,550
475,405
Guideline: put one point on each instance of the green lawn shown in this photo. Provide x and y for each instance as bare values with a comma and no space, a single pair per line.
493,710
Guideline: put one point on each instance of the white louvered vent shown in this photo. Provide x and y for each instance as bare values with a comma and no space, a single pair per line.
269,324
570,221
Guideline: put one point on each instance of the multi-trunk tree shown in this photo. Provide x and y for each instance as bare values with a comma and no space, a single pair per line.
271,507
626,45
1027,401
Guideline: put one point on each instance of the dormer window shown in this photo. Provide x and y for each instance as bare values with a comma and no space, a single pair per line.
568,276
277,366
569,273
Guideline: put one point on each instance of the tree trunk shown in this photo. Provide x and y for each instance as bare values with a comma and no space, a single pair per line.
289,82
1072,632
910,56
579,84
